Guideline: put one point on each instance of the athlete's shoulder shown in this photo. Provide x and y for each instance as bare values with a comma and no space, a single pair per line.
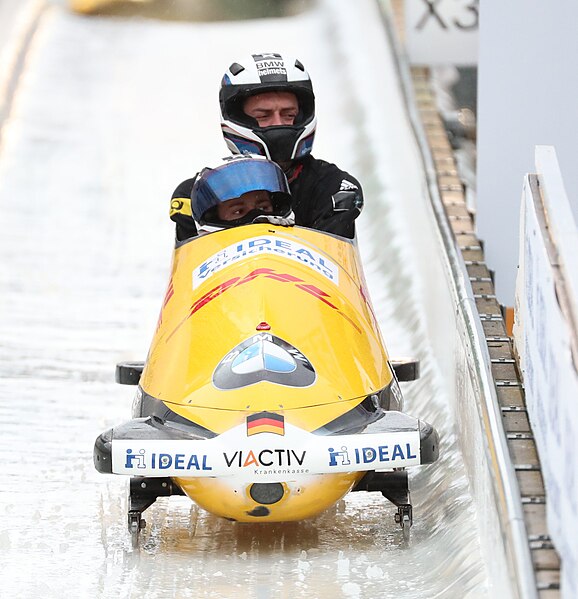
184,189
322,169
181,200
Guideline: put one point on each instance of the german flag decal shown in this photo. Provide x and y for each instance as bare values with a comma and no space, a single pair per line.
265,422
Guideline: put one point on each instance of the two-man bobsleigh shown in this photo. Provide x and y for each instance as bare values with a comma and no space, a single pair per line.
267,394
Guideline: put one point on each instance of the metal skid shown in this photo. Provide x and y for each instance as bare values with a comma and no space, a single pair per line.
142,494
394,487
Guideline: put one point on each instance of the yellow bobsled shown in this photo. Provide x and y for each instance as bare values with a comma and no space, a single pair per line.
267,393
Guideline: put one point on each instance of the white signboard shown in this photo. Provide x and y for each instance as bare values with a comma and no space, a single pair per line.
442,32
542,337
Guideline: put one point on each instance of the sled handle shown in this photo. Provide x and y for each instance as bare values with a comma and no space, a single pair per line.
406,369
128,373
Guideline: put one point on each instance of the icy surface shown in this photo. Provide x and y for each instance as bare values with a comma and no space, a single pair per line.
109,117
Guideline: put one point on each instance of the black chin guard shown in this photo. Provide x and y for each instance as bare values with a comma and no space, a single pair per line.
280,140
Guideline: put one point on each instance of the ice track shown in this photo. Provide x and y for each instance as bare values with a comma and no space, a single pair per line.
109,116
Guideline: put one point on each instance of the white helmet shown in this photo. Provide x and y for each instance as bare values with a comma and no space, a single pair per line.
260,73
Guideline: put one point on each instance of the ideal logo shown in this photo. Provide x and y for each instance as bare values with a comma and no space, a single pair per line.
367,455
339,458
265,245
164,461
132,459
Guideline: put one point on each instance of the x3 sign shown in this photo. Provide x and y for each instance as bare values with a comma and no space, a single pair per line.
442,31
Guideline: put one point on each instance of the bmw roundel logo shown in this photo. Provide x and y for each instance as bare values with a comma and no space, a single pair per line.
264,357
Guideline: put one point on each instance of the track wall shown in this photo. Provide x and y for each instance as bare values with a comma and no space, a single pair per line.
458,341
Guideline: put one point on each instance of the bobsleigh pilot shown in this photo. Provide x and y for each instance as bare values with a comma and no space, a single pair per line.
268,108
241,190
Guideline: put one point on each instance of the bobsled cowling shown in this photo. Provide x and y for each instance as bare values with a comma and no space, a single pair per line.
267,367
305,287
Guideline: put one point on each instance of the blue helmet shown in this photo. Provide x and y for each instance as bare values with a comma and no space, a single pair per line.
230,179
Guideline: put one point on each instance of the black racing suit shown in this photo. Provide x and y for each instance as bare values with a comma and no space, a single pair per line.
323,197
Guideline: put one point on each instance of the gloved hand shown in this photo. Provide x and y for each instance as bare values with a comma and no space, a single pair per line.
348,201
347,206
283,221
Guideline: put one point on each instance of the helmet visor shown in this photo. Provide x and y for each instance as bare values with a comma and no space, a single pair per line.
232,180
